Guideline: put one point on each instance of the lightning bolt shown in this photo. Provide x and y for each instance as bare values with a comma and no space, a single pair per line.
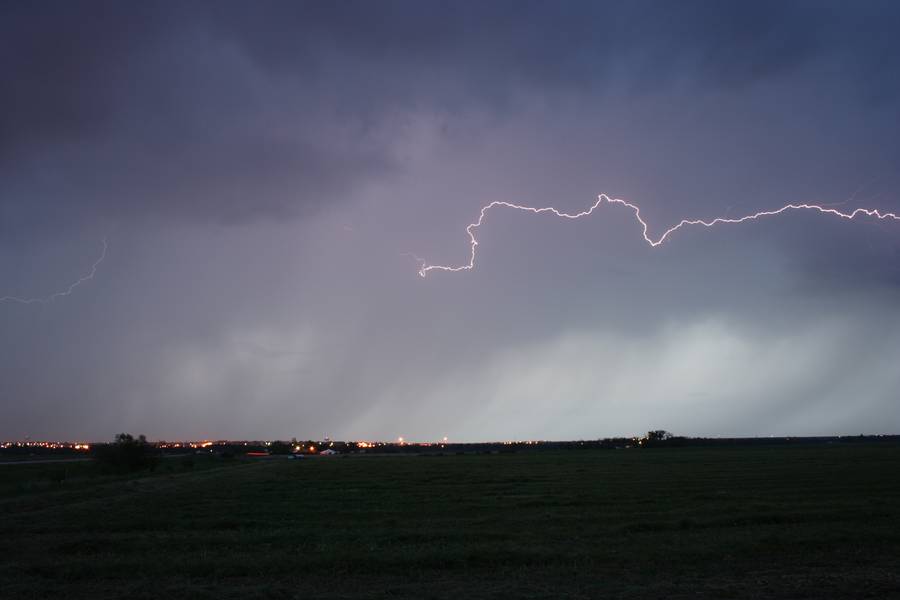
67,291
425,268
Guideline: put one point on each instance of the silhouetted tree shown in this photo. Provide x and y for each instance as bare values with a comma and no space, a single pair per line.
127,454
658,435
280,448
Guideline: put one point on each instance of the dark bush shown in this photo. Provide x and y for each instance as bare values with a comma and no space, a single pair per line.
280,448
126,454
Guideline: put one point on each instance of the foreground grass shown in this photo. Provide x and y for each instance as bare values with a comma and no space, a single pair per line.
798,522
26,477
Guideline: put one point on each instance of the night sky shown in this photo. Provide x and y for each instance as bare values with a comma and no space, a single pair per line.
260,169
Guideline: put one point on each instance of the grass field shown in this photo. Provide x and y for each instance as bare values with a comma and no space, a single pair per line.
787,522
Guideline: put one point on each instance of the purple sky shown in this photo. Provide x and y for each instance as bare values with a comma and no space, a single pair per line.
260,169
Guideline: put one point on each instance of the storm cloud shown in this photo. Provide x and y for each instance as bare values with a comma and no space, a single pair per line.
260,169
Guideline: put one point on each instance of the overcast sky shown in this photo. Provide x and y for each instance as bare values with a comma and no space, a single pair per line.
260,169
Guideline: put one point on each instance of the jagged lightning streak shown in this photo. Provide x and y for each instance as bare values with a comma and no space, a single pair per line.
67,291
425,268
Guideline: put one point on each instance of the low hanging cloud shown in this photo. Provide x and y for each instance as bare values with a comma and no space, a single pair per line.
713,377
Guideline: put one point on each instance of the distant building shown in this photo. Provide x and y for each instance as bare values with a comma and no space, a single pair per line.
328,452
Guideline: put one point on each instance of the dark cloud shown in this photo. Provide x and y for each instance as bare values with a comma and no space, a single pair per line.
134,108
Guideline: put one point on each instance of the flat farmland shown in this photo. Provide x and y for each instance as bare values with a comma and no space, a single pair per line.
740,522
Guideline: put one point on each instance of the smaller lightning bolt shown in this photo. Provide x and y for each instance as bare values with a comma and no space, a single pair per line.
424,267
67,291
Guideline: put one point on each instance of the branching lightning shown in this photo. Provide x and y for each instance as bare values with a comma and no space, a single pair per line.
65,292
425,268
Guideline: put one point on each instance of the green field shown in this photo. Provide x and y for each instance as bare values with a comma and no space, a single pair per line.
791,522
